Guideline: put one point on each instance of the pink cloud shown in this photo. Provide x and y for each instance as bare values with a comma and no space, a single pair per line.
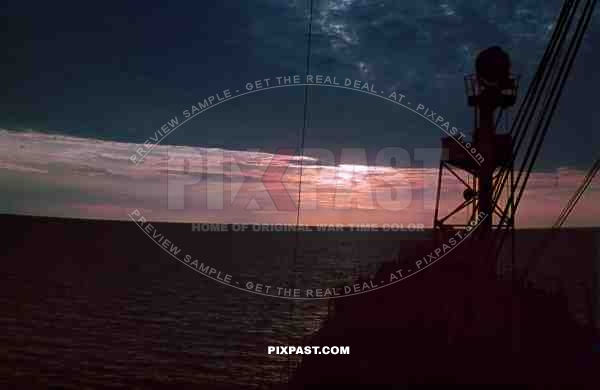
106,184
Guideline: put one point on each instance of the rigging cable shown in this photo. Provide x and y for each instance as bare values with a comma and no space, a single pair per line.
571,205
564,214
302,138
523,119
527,109
552,100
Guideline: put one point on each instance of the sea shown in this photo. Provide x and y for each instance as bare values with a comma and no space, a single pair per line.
87,304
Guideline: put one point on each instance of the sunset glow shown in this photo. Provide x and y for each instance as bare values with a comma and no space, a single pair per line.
78,177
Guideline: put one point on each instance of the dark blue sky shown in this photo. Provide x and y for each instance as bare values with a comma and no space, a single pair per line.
121,70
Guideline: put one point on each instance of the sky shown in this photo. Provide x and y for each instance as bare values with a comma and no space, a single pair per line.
84,86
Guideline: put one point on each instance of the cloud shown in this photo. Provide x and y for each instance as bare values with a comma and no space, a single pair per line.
94,179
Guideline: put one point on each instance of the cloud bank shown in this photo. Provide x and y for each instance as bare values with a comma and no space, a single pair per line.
54,175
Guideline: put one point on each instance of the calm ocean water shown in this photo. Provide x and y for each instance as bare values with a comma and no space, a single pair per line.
90,304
